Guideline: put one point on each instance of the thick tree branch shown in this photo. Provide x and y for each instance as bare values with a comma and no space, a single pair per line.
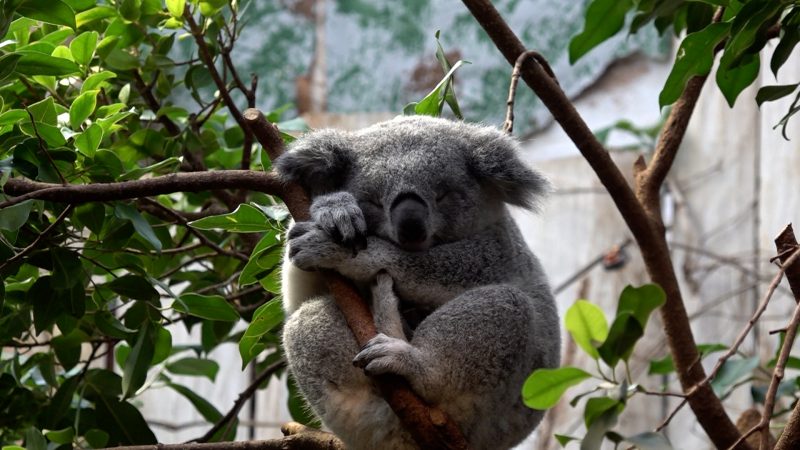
25,189
429,426
647,232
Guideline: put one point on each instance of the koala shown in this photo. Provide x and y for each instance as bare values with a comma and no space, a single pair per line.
414,211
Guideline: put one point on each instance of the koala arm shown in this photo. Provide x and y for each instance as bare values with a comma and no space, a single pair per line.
432,276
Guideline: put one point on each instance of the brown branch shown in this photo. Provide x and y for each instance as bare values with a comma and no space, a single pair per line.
508,124
429,426
208,60
648,233
786,242
777,376
39,238
200,236
152,102
26,189
244,396
303,441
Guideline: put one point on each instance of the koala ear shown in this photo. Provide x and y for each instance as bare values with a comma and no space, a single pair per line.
319,161
494,161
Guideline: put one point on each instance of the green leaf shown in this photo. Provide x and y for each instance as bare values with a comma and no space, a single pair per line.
130,9
175,7
8,63
213,307
787,43
13,217
169,164
203,406
62,436
733,80
50,11
94,14
82,107
544,387
96,438
134,287
622,336
266,254
68,347
140,224
433,103
694,58
772,93
265,318
641,301
245,219
34,63
97,80
747,30
195,367
88,141
604,417
135,372
563,439
123,422
13,116
83,46
649,441
587,325
111,326
34,440
67,269
731,372
604,18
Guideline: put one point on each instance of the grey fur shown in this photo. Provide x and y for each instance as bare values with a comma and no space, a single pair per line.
463,307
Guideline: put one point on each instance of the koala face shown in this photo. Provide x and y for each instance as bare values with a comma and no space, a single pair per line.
419,181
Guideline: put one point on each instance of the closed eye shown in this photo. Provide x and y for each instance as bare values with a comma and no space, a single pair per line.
443,196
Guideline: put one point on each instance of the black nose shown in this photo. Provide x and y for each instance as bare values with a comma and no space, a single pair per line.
409,215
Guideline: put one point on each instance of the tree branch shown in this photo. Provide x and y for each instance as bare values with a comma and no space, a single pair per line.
242,399
26,189
647,232
785,243
429,426
39,238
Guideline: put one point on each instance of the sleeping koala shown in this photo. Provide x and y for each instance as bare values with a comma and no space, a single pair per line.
414,211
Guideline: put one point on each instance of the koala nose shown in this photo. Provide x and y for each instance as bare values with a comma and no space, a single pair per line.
409,215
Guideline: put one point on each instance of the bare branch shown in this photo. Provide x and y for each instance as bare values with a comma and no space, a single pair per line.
508,125
25,189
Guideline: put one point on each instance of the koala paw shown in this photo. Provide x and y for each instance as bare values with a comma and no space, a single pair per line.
384,354
341,217
311,248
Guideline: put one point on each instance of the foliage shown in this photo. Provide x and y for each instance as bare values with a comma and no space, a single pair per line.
90,92
739,33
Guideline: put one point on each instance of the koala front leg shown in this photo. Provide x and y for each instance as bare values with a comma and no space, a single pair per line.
339,215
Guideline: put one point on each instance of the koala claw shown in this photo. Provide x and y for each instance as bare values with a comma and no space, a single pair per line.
384,354
339,215
311,248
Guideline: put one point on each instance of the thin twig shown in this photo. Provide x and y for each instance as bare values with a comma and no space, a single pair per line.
43,147
762,306
39,238
508,125
777,376
244,396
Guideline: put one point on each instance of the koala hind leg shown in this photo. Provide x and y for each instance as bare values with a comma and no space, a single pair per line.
320,348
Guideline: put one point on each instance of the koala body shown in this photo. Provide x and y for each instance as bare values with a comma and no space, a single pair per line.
414,211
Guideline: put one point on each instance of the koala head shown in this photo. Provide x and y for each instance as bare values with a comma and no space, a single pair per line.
419,180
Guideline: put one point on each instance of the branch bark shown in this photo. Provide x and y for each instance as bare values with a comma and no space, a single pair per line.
642,219
786,243
25,189
429,426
